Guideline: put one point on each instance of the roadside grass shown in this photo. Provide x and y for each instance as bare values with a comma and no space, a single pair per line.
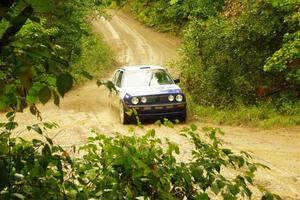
263,116
96,59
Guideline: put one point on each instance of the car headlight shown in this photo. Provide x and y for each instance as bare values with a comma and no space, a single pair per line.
144,100
135,100
171,98
179,97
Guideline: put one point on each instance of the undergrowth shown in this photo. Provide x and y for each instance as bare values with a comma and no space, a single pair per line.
265,115
124,167
96,58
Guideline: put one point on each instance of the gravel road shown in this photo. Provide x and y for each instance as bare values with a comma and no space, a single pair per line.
86,108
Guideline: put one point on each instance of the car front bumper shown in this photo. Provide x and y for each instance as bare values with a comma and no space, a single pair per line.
154,111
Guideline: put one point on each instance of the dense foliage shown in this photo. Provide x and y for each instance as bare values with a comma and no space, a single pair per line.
40,42
234,52
123,167
286,60
175,14
232,60
42,45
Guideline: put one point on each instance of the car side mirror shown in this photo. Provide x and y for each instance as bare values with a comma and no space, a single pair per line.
177,81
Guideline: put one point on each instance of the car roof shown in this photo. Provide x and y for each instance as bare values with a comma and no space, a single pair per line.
134,68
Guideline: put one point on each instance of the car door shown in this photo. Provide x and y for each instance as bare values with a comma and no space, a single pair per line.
115,96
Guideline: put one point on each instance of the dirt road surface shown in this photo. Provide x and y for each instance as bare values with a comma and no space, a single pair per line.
86,108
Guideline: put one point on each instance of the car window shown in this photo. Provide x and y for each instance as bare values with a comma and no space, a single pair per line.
115,77
119,79
146,77
160,77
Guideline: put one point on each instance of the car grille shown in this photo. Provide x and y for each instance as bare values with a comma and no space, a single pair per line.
157,99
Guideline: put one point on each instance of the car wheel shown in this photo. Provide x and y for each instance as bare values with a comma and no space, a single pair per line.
182,118
124,118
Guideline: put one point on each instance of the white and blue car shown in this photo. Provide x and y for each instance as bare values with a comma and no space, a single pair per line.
149,90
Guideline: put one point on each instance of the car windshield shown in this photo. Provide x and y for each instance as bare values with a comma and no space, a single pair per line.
146,77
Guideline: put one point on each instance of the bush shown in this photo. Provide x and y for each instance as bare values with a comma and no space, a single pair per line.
40,42
128,167
32,170
175,14
223,57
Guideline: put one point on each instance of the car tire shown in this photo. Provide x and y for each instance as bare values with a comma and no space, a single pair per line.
124,118
182,118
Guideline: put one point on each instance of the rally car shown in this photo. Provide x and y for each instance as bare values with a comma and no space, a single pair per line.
150,91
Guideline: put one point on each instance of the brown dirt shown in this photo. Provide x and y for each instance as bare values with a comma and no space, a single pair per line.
86,108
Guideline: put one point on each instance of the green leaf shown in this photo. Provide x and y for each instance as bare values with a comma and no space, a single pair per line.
64,83
44,162
234,189
203,196
220,183
247,192
50,125
262,165
252,167
17,44
215,188
227,151
11,125
10,116
246,154
168,123
32,95
217,167
46,150
110,86
152,132
197,173
268,196
36,128
99,83
173,2
129,112
177,149
41,52
37,143
193,127
87,75
158,123
241,161
277,197
44,95
49,140
249,176
134,112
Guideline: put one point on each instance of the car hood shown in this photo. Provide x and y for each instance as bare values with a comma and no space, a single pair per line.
150,90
